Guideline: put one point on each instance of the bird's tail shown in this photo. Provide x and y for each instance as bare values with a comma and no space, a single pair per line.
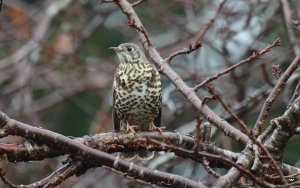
143,155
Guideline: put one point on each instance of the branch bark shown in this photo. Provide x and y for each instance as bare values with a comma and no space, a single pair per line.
95,157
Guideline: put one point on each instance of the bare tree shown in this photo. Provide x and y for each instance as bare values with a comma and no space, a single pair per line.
230,93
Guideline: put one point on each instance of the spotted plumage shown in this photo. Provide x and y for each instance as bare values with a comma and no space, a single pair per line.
136,93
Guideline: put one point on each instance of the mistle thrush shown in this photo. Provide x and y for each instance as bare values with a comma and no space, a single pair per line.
136,95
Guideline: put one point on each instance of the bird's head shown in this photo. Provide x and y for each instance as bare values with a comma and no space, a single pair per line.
129,53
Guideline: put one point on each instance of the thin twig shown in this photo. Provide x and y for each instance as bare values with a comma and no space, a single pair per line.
140,29
200,35
266,132
138,2
273,96
198,38
287,22
266,75
189,49
295,95
106,1
254,56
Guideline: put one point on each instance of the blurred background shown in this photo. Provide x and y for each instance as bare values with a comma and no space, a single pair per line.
56,71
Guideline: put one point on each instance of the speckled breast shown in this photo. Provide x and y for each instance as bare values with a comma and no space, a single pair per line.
137,94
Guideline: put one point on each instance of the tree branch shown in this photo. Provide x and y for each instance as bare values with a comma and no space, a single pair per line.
274,94
253,57
96,157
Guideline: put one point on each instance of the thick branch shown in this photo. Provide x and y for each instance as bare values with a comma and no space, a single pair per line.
286,126
109,142
96,157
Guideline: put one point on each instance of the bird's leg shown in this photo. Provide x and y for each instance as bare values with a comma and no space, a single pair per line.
131,128
159,129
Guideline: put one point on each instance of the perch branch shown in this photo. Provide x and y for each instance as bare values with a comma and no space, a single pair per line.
97,157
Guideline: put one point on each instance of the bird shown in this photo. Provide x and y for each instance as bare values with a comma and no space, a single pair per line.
137,97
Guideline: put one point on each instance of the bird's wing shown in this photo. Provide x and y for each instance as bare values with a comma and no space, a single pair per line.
157,120
115,118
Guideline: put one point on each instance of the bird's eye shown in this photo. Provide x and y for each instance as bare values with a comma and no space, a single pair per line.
129,49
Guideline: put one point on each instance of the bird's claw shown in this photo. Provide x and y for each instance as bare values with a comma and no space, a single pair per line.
131,128
158,129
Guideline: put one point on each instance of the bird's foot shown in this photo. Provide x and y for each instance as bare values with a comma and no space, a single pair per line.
158,129
131,128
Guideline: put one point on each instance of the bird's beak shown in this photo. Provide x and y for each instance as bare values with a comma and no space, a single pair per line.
115,49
